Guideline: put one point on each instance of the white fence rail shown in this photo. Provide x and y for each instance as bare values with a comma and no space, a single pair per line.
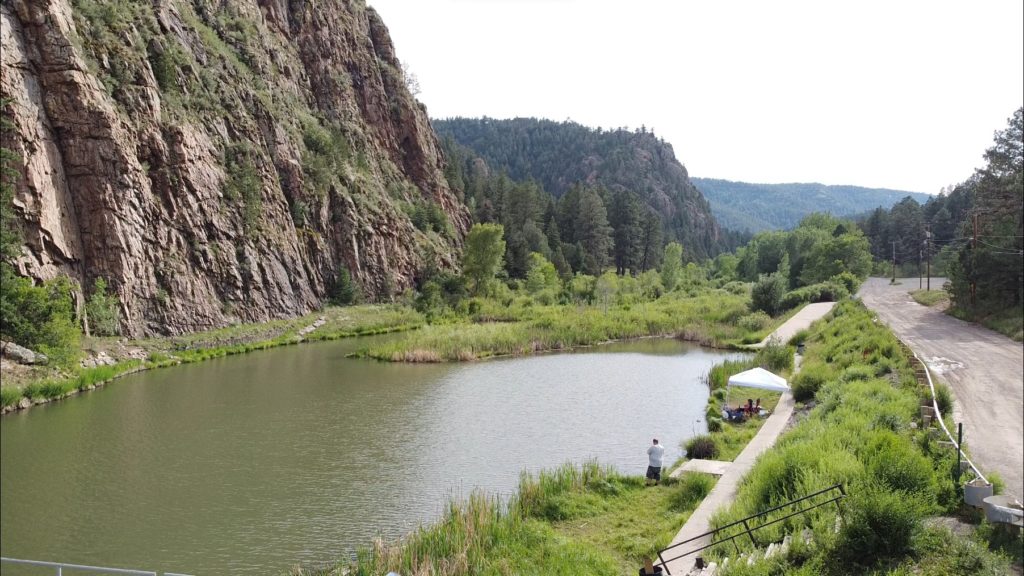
938,415
59,568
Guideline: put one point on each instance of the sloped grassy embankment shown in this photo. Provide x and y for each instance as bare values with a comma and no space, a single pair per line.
863,432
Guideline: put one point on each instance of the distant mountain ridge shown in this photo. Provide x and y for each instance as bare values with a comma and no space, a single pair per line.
758,207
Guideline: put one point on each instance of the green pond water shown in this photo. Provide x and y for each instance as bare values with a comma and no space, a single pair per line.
298,455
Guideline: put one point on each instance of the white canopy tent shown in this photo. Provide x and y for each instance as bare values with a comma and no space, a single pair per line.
759,378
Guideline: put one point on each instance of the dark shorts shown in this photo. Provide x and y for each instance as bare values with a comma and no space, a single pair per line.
654,472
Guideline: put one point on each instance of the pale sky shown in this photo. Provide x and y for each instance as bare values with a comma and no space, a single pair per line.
896,94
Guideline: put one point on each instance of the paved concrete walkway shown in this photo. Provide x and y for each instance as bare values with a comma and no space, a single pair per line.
713,467
725,490
800,321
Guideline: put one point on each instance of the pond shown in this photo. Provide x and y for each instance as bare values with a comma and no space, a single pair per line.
253,464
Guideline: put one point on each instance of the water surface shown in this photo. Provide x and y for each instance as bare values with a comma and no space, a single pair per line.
252,464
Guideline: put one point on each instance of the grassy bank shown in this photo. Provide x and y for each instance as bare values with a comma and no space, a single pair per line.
576,520
713,318
863,432
931,298
42,384
1009,322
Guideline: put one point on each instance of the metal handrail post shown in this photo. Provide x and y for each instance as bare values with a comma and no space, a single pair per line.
750,534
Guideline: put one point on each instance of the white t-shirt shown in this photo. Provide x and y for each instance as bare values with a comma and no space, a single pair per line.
655,453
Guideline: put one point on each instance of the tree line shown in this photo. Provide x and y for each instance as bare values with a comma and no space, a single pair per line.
972,232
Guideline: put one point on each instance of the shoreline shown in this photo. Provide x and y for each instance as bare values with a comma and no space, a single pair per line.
328,324
47,390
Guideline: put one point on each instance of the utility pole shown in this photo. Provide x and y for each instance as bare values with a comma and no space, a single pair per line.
928,252
974,260
893,261
921,280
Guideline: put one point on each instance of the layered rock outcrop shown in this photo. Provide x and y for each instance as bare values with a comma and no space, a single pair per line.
219,160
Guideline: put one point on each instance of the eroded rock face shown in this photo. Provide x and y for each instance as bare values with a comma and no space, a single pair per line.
178,150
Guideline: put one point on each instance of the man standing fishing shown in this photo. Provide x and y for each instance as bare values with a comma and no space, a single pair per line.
654,456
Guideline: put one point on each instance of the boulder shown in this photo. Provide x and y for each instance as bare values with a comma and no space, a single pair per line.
20,354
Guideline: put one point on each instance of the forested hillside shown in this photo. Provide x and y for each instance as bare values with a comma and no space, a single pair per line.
758,207
634,168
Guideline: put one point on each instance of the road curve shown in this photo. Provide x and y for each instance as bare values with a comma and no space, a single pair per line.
984,369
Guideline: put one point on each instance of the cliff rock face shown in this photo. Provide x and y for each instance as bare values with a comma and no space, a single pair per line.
219,160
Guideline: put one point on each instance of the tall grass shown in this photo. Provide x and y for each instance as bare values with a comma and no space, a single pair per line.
60,387
536,530
709,318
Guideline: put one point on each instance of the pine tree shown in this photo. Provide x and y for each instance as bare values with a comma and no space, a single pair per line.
625,221
594,233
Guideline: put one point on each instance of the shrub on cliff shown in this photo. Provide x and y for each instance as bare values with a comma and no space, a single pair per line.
103,311
345,290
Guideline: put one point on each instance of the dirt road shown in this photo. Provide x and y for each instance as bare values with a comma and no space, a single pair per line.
984,369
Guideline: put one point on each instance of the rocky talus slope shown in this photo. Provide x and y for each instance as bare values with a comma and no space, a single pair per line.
219,160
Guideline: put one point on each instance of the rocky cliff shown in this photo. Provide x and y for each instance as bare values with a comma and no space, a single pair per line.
219,160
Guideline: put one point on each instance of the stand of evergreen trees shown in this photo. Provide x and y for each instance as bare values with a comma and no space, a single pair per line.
971,232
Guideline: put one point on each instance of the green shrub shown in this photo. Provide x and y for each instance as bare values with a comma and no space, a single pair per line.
103,310
738,288
714,424
712,411
894,463
9,396
40,317
800,337
809,380
345,291
828,291
244,183
690,490
857,372
878,524
775,356
767,294
848,280
754,321
944,398
701,446
998,484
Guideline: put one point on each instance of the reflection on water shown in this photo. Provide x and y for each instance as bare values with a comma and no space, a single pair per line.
254,463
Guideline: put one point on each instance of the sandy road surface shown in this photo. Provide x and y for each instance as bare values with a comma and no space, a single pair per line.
985,370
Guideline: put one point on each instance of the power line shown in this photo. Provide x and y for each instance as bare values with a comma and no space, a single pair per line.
996,247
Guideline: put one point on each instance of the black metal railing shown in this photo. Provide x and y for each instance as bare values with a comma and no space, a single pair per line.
834,493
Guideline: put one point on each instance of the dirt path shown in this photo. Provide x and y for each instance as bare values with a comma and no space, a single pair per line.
984,369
